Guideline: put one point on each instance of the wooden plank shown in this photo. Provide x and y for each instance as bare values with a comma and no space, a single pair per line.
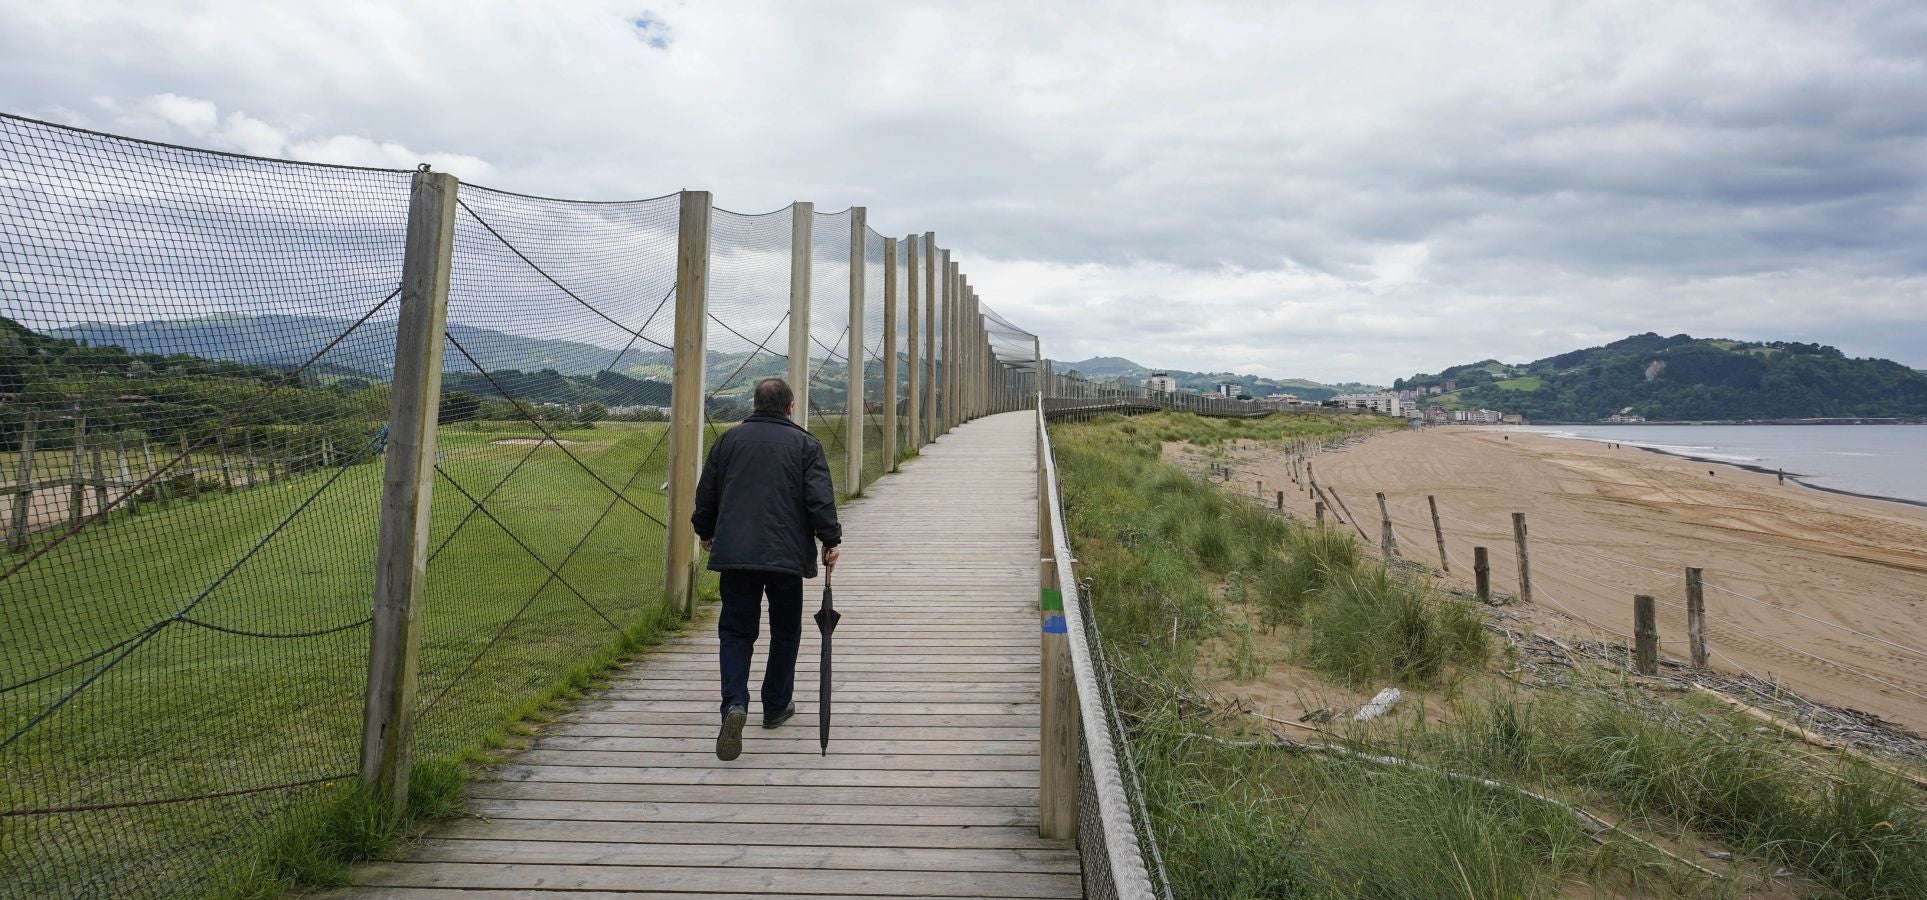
612,775
768,856
660,813
578,824
788,755
612,725
785,882
726,795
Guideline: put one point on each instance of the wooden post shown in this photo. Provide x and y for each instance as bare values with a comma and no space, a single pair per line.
913,351
247,461
1482,574
160,484
853,409
268,439
1645,636
1281,501
889,448
1525,565
126,474
946,360
933,320
227,474
686,401
1438,531
77,487
1318,510
802,224
100,478
1387,539
1058,725
23,488
401,556
1696,615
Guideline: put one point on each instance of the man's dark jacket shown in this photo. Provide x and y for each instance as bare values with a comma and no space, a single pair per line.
764,493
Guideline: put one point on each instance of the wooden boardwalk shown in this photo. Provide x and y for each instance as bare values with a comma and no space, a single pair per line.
930,787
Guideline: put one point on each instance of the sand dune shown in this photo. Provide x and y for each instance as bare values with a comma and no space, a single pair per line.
1825,593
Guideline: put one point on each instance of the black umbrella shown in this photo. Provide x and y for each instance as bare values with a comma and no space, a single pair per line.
826,619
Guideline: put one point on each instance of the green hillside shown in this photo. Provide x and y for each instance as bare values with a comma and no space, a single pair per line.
1682,377
1111,368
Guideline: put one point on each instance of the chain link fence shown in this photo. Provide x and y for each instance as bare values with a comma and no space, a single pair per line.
198,373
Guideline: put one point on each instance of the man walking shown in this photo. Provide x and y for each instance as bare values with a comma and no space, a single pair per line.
764,500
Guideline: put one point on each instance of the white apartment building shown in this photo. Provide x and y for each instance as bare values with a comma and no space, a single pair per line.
1387,404
1161,383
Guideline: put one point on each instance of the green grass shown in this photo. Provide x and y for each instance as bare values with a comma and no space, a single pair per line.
1523,383
195,710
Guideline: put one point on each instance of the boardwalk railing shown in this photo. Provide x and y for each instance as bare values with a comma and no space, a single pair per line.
1088,782
319,473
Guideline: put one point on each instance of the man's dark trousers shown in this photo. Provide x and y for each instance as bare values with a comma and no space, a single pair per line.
743,593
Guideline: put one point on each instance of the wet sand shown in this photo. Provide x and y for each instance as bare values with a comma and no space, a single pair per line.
1838,582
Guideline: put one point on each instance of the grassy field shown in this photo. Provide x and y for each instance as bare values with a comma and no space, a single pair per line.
1522,383
1180,571
235,676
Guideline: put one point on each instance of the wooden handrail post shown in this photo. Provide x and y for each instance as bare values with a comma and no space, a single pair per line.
889,344
1482,574
1525,564
1438,531
853,407
1058,719
23,487
686,412
1645,636
401,553
802,234
77,487
913,405
1696,615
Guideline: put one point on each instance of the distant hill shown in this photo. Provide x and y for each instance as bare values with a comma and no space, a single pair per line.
1686,378
1109,368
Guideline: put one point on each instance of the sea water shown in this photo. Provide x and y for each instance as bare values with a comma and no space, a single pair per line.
1879,460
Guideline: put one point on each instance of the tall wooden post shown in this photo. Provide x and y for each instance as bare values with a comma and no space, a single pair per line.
686,400
1645,636
227,472
100,478
160,484
1387,539
1482,574
913,349
126,474
802,225
1438,531
77,486
1696,615
23,488
933,263
1525,565
401,555
946,362
1058,724
853,410
889,343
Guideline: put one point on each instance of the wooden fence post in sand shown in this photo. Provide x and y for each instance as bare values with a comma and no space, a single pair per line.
1281,500
1645,636
1387,539
1482,574
1696,615
1318,510
1525,566
1445,562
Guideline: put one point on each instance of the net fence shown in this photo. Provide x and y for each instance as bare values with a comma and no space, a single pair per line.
192,402
197,365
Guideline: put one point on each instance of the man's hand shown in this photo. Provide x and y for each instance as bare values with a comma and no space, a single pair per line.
709,544
830,556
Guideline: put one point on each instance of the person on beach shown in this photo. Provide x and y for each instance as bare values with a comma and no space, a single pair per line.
764,501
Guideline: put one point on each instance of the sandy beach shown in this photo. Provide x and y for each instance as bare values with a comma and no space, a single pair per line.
1823,592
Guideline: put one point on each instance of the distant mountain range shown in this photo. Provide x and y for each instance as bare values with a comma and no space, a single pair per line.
1111,368
1685,378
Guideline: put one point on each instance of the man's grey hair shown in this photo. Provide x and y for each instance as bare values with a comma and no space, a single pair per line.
773,395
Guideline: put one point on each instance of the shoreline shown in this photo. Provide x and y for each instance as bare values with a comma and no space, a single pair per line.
1795,477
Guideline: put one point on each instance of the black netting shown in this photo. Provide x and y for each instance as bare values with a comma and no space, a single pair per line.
193,392
830,340
749,301
546,532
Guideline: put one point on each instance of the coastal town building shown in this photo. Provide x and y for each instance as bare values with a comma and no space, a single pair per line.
1386,404
1161,383
1229,390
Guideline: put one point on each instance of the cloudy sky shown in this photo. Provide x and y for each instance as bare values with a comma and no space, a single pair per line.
1328,190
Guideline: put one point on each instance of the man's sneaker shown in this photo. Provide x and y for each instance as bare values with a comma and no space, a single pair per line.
784,716
729,741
